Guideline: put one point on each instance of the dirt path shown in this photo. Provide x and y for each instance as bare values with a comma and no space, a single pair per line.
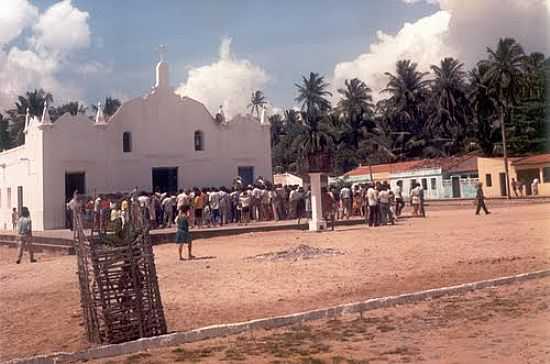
502,325
39,308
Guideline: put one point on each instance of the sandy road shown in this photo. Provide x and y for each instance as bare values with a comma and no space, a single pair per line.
39,310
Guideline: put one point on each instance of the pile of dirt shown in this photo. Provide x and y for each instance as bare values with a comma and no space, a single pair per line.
301,252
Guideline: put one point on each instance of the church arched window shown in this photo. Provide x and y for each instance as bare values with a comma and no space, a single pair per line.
199,140
126,142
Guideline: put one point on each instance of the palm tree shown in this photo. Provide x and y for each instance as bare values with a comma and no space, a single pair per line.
408,90
484,106
449,112
534,74
356,109
316,141
73,108
257,102
505,75
34,102
110,106
312,94
5,140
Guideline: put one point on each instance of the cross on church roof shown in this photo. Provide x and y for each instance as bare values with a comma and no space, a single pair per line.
162,52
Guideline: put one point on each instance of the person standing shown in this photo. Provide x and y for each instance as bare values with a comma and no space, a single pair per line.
168,211
183,236
514,187
415,198
384,201
345,197
421,209
480,200
25,235
214,201
399,203
535,187
14,218
372,201
245,200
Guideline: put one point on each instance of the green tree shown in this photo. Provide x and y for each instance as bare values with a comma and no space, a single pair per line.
73,108
5,140
34,102
484,105
110,106
257,102
355,109
406,108
449,108
313,94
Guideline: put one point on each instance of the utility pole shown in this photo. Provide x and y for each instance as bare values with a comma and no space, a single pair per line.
505,152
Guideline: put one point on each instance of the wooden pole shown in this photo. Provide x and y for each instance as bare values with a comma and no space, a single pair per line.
505,152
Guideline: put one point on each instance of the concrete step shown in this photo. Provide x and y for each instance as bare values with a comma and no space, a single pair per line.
38,247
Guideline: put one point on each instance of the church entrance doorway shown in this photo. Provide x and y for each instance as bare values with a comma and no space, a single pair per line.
74,181
247,175
165,179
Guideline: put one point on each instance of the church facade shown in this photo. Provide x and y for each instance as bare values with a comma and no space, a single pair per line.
162,142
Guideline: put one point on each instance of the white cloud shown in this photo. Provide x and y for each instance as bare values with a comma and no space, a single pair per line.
61,28
56,33
461,29
14,17
476,25
228,81
423,42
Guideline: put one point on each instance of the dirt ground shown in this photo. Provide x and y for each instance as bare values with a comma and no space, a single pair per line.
39,308
509,324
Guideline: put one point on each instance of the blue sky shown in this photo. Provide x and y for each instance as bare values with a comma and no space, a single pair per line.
88,49
286,38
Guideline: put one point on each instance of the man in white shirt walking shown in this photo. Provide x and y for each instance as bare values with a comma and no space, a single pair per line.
372,200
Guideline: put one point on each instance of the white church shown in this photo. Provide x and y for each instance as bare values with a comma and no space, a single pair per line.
160,141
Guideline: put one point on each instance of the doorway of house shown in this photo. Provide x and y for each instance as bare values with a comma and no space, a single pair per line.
455,184
527,176
74,181
502,181
165,179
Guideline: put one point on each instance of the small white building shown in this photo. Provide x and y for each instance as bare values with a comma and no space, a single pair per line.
288,179
157,142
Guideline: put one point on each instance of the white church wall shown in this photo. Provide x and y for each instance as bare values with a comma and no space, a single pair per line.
72,145
22,168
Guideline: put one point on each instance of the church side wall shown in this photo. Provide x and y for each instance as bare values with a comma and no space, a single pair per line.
72,145
22,168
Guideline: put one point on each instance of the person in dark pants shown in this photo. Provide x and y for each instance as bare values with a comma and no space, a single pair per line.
480,200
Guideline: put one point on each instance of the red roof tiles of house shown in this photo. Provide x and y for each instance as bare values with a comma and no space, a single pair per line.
533,159
451,164
383,168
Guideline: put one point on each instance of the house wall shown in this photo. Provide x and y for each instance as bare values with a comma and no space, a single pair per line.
23,167
544,186
428,174
493,167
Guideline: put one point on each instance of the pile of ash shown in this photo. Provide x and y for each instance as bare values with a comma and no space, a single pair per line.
301,252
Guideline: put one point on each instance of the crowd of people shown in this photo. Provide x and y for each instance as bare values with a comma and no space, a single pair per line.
376,202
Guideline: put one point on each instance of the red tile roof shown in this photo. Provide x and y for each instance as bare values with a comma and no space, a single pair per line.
533,159
383,168
451,164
